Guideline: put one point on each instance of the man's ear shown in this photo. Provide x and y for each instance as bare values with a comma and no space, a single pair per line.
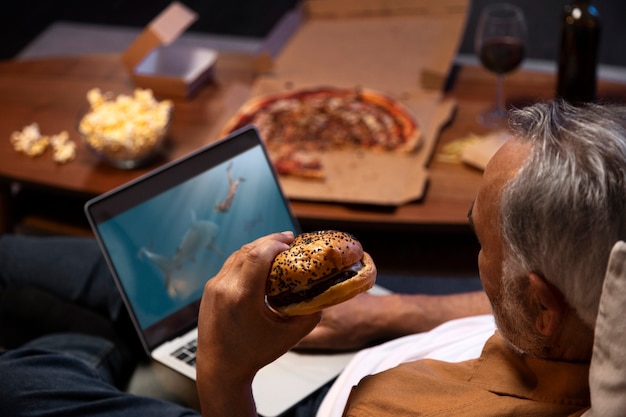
551,306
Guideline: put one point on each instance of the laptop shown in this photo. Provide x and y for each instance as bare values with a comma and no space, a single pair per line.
165,233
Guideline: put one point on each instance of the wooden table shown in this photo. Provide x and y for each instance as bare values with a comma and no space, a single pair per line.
52,91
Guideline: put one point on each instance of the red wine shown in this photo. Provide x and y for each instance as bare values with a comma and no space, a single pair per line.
578,58
502,55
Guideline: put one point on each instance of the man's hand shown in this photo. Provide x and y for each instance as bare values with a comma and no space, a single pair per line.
237,333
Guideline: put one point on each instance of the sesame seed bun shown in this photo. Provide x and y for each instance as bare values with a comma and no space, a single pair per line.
320,269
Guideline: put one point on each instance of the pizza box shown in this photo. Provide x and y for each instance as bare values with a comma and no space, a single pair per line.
155,61
392,46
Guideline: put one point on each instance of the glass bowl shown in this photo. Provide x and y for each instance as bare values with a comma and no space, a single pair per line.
127,131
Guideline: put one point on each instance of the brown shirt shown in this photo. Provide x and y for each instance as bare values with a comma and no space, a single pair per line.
499,383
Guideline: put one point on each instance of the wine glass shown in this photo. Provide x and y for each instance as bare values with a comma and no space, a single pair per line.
500,44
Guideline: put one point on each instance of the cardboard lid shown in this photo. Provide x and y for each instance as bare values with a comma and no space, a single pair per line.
162,30
154,61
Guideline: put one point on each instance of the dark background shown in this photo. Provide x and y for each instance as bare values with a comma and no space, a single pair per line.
543,19
22,20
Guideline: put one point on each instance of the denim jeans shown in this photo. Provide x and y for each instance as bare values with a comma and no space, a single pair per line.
69,267
72,374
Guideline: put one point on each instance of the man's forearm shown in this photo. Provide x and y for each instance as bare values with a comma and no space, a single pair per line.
413,313
369,319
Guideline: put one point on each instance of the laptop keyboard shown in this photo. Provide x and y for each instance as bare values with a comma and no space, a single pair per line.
187,352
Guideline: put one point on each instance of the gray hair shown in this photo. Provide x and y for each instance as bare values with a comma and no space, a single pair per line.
566,208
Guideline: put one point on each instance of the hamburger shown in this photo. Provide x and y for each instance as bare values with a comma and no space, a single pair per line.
318,270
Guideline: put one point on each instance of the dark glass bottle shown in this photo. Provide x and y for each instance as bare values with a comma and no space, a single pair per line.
578,58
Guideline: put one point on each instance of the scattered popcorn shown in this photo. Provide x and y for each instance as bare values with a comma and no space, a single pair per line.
126,126
64,150
29,140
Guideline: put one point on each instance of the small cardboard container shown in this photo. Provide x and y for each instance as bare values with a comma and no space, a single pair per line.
154,61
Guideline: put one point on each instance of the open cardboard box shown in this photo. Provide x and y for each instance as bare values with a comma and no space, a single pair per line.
388,45
170,70
177,69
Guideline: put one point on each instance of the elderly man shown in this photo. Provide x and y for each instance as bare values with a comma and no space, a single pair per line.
549,210
547,214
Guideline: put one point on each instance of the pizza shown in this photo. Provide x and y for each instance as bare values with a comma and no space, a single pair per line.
299,126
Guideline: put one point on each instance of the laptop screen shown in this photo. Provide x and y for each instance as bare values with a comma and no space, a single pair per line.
169,231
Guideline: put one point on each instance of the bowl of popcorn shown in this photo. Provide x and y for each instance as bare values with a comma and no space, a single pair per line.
125,130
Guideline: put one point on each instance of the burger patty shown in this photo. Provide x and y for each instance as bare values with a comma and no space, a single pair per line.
290,297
